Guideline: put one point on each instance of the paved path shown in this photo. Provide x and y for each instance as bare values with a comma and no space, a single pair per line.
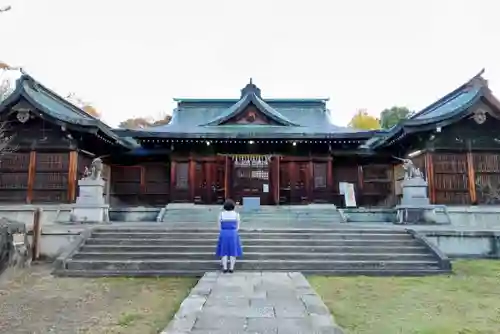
258,303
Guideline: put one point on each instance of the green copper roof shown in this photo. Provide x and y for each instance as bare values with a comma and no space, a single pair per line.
56,108
205,118
251,95
448,109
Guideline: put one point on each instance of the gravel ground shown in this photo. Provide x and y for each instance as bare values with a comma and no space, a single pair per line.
33,301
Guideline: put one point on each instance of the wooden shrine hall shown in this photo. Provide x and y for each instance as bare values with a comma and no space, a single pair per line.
284,151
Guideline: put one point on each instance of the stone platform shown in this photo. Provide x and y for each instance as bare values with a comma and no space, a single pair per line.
253,303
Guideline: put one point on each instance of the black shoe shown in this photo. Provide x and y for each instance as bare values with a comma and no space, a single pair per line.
225,271
231,271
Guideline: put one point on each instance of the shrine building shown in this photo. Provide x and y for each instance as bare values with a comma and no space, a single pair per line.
284,151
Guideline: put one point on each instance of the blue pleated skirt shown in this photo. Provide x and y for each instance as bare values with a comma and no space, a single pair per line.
229,243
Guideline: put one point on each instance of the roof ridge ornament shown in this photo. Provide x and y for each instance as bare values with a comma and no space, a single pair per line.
250,88
478,80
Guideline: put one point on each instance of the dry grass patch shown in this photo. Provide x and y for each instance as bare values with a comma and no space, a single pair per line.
33,301
467,302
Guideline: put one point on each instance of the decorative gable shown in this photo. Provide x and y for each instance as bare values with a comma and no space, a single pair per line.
251,115
251,109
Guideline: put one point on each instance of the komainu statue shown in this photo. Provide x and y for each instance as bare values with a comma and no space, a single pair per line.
411,171
95,170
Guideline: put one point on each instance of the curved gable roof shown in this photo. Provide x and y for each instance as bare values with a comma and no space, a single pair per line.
56,108
451,107
205,118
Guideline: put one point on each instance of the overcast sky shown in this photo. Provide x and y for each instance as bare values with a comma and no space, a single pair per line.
130,58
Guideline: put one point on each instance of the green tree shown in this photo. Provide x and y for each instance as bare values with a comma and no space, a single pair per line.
392,116
363,120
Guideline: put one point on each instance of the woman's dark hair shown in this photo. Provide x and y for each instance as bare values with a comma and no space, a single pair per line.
228,205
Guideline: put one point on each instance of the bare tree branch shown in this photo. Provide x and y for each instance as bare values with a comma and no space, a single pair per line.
6,138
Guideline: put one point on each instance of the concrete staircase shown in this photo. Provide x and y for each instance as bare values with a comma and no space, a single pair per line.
266,215
139,251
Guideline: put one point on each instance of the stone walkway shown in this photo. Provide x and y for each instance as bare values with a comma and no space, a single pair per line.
258,303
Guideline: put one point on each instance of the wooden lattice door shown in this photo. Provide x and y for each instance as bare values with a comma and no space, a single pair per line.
251,179
209,182
293,182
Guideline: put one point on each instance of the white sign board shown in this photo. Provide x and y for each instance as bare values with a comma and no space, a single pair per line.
342,187
349,195
265,188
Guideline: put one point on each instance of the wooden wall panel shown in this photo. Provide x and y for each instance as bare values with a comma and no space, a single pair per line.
51,178
451,178
14,177
486,167
378,186
125,186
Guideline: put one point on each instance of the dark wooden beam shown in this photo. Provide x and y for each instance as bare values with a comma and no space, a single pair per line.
309,180
275,170
173,166
191,178
227,179
143,180
329,177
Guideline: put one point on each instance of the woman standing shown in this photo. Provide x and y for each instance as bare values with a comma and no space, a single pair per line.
229,244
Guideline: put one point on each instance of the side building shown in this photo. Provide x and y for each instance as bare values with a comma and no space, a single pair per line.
52,142
456,143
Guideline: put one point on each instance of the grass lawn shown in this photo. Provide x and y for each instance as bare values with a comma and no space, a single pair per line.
466,302
33,301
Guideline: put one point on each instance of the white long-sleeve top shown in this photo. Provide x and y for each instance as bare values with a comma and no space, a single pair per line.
230,215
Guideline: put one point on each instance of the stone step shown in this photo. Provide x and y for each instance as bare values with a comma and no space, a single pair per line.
253,265
199,273
244,230
179,249
254,256
263,242
251,235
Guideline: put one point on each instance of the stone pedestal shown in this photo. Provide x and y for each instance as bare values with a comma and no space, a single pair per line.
90,205
415,207
415,192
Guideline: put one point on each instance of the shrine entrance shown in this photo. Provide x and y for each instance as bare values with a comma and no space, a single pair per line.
251,178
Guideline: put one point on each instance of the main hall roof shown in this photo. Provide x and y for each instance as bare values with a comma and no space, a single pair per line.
206,118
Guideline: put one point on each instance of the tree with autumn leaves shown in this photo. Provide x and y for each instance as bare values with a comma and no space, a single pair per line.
363,120
388,118
144,122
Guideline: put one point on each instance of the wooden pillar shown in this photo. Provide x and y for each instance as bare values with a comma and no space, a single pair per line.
227,179
191,177
329,178
143,181
471,177
429,168
310,180
72,175
276,180
209,169
293,175
173,167
37,234
360,179
31,177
